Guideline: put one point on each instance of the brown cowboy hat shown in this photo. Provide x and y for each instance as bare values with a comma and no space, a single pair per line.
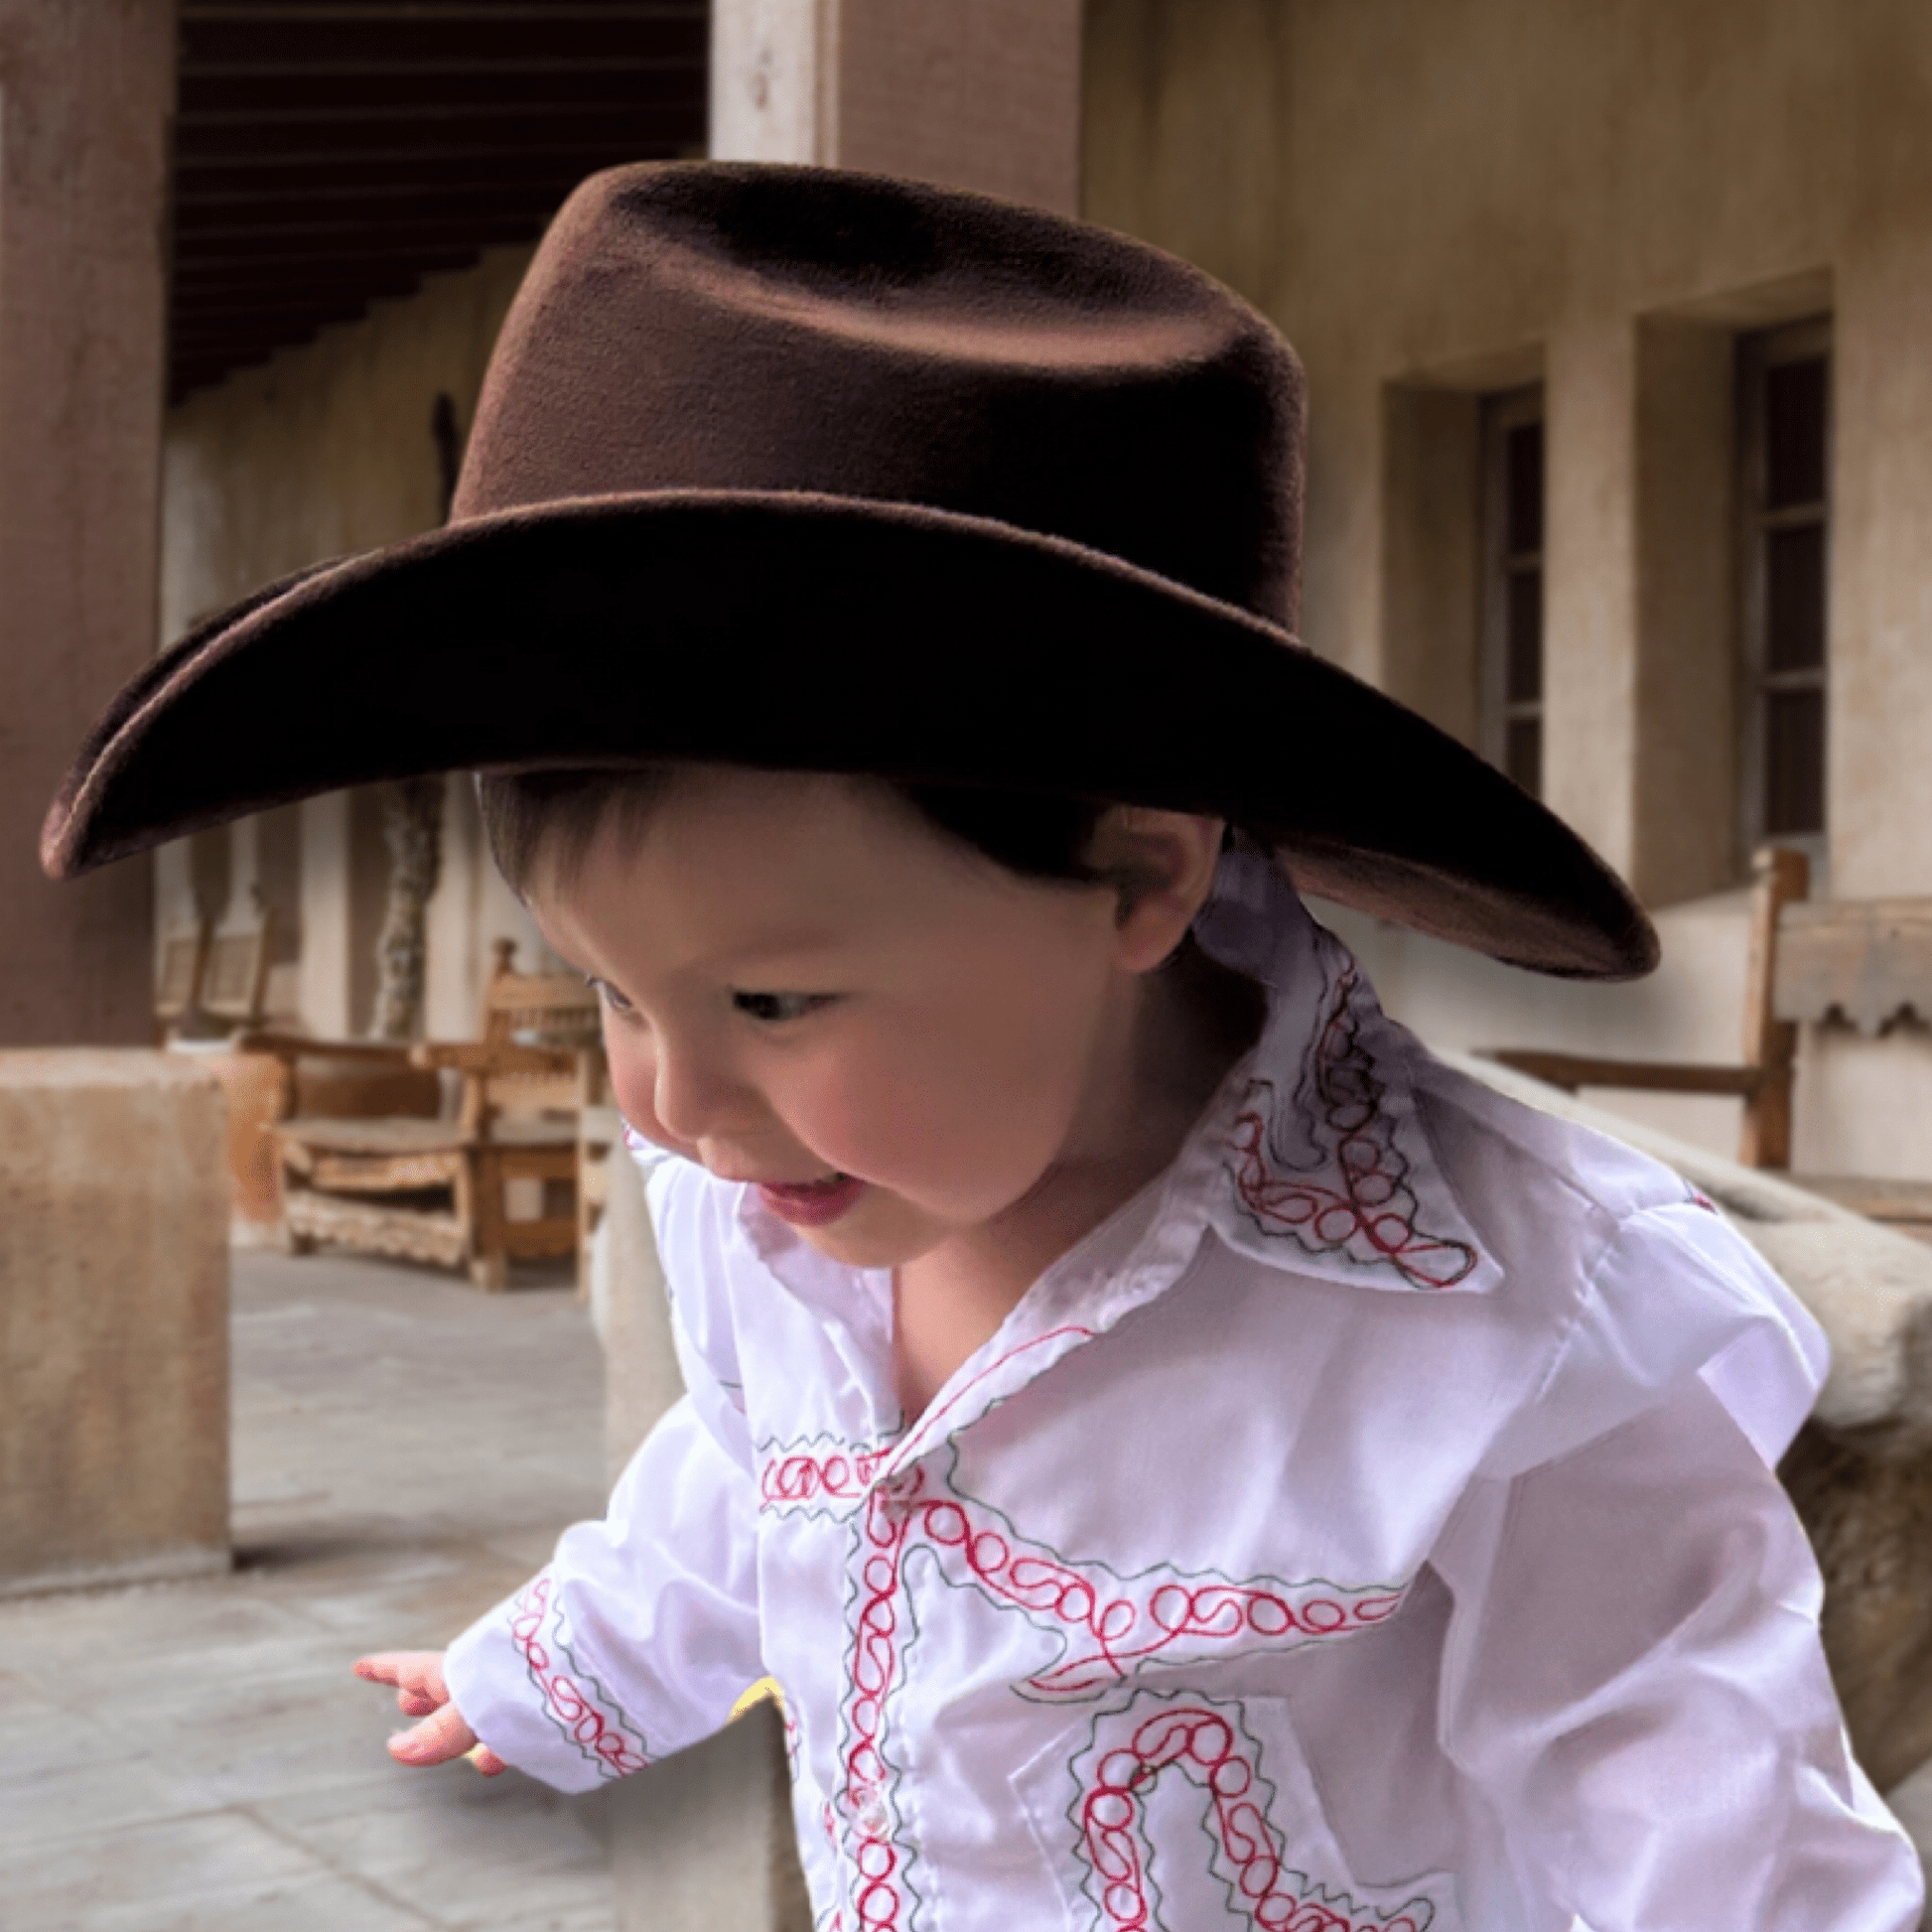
810,470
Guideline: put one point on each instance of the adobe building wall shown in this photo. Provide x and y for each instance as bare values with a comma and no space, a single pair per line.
325,451
1439,198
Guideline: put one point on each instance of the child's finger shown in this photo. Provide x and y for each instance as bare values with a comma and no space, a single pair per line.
435,1741
486,1762
414,1672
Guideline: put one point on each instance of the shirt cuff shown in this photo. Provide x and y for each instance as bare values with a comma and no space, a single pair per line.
513,1676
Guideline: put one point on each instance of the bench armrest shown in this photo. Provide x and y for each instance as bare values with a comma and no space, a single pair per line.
293,1046
1573,1071
475,1056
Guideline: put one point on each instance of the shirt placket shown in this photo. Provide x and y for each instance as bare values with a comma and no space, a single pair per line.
878,1851
906,1502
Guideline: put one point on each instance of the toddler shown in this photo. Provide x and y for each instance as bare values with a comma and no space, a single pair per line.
1186,1458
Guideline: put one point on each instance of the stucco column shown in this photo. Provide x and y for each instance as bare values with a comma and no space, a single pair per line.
984,96
114,1319
85,91
345,872
1877,772
1590,615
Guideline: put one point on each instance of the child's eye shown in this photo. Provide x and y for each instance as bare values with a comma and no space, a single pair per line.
609,994
774,1008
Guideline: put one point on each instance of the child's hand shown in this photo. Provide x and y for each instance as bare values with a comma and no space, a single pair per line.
422,1693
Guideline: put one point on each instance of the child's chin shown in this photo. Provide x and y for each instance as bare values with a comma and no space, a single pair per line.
867,1235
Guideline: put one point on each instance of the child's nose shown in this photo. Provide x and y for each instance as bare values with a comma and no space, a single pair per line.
696,1097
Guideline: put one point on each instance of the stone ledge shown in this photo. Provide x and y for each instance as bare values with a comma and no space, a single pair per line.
1868,1287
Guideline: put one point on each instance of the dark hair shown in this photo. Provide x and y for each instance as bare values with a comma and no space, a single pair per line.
1043,836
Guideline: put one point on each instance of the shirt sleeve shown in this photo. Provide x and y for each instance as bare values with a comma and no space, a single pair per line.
1634,1681
641,1633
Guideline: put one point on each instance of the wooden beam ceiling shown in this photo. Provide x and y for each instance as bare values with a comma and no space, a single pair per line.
331,153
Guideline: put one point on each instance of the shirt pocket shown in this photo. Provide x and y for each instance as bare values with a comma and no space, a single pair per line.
1179,1811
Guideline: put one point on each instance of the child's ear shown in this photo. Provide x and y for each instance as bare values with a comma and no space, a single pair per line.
1164,864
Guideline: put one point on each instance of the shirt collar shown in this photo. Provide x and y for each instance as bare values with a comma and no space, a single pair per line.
1323,1159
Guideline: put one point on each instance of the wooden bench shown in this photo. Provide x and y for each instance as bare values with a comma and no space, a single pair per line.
1862,962
428,1188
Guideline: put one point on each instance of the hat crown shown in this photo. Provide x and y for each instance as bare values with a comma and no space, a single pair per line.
753,328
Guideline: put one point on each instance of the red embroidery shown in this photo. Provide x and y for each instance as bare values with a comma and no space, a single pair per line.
1247,1851
1112,1625
839,1474
599,1736
1365,1209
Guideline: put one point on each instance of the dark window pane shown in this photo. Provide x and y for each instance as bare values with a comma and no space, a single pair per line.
1794,762
1523,754
1525,656
1794,598
1523,468
1794,433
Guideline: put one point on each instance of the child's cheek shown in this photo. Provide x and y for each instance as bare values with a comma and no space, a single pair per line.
850,1113
890,1118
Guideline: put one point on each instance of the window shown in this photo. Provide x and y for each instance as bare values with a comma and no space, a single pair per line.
1511,657
1784,449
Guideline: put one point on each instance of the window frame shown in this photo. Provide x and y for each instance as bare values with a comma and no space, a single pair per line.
1499,413
1757,352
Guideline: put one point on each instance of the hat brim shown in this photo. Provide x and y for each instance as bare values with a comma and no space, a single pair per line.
791,630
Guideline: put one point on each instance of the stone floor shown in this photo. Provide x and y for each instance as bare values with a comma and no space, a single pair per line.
198,1757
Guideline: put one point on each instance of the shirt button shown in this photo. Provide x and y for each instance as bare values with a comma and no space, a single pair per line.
869,1811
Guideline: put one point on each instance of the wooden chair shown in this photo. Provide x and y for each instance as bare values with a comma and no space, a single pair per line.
177,978
434,1190
236,977
213,979
1867,962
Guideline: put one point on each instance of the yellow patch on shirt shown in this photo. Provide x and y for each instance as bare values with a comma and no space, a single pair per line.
766,1686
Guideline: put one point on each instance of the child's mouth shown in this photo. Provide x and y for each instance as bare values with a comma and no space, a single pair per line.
814,1202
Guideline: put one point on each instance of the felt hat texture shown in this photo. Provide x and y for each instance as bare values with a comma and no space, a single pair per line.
811,469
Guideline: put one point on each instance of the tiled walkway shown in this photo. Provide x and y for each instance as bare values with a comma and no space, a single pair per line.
197,1757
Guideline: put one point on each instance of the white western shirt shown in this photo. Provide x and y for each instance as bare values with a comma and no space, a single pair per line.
1371,1527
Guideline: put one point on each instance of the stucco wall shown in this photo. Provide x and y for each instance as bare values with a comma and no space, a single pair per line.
1452,196
324,451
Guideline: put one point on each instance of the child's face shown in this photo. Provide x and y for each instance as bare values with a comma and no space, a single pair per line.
799,982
